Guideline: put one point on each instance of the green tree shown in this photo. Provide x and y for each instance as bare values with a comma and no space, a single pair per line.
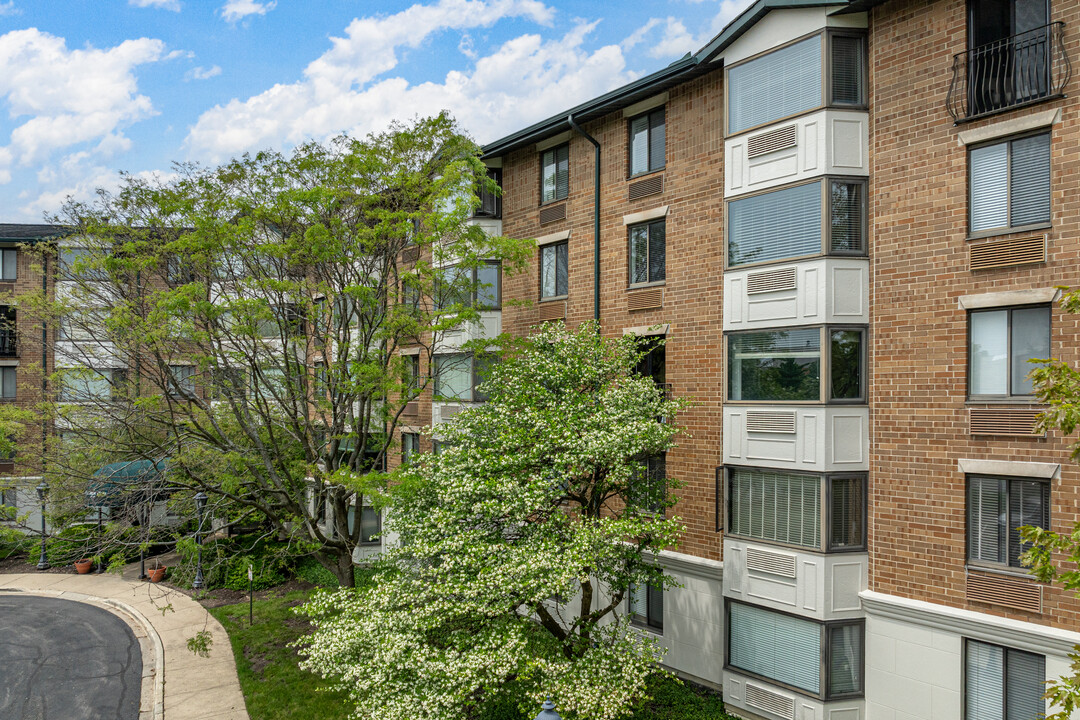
520,541
1057,385
242,323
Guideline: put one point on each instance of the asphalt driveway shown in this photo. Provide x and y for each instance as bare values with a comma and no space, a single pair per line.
65,660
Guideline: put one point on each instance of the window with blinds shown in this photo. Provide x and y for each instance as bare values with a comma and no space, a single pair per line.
1001,342
779,647
845,664
847,217
775,506
1009,183
774,86
648,252
775,225
847,513
848,70
555,173
1002,683
646,606
647,142
997,509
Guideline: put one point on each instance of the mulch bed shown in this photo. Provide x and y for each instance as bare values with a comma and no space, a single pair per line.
222,596
18,565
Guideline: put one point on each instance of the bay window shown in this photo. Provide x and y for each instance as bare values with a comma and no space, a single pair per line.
786,365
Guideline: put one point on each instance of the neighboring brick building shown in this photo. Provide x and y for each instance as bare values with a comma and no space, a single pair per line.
848,221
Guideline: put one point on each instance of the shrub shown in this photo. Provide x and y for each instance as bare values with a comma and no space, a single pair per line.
14,543
71,543
311,570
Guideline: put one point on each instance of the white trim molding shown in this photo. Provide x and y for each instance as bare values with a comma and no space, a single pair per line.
409,350
647,104
1037,296
553,238
554,141
690,565
1009,127
1011,468
978,626
647,330
644,215
416,429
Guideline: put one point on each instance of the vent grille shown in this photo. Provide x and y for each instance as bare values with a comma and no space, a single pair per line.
1007,592
1003,421
770,421
410,254
767,561
645,299
449,411
552,310
769,701
1004,253
767,142
645,188
552,213
770,281
411,408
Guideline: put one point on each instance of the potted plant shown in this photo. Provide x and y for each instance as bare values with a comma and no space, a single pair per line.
83,565
156,571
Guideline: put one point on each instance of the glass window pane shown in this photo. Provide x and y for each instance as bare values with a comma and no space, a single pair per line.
989,187
487,280
776,506
1030,341
781,365
453,376
845,659
781,647
773,86
986,519
639,144
846,364
1025,674
9,386
846,203
370,524
1028,501
846,516
561,268
657,251
775,225
547,271
547,175
562,174
639,254
989,353
10,265
657,139
983,688
847,70
1029,170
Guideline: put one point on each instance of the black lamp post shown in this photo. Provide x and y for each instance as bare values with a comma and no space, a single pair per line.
200,506
547,711
144,520
43,494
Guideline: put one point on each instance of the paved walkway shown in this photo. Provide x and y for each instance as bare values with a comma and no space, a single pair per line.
176,683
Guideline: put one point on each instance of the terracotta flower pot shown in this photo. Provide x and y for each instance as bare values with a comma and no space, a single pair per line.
156,574
83,566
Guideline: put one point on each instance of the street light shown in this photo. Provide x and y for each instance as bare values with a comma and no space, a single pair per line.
43,493
200,506
547,711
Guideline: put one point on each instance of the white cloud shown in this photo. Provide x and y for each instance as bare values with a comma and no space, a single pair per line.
524,79
8,8
235,10
173,5
675,39
68,97
201,73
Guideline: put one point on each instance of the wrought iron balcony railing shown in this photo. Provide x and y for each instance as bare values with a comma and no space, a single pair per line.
8,347
1008,73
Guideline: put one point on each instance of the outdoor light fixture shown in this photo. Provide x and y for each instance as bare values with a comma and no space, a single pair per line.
200,506
43,494
548,711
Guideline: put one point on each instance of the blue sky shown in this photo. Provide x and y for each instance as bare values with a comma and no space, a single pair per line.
90,88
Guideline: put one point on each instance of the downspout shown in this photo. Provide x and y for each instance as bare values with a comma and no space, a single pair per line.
596,220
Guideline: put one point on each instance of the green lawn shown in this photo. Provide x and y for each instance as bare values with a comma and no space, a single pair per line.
276,689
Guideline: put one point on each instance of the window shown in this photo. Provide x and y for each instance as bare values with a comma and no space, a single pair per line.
555,173
86,384
8,499
370,524
181,381
785,507
788,81
647,253
453,376
1010,53
9,271
793,222
228,383
1001,683
648,489
412,375
81,262
479,287
647,142
554,261
646,606
785,365
796,652
490,200
284,320
1000,344
410,446
653,363
320,382
1009,184
997,509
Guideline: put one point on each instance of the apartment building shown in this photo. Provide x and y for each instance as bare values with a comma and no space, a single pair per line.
848,221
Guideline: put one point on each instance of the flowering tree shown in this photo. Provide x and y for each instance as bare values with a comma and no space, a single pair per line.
520,542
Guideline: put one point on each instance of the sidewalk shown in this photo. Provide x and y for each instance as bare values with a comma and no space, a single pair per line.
182,685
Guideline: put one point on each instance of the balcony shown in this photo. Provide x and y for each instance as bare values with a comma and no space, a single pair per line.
1009,73
8,347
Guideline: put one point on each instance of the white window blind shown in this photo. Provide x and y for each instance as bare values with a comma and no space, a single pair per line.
1010,183
774,86
1002,683
453,376
555,173
775,225
780,647
989,353
989,187
9,265
847,518
777,506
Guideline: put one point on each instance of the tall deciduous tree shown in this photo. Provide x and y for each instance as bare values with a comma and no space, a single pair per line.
521,541
242,323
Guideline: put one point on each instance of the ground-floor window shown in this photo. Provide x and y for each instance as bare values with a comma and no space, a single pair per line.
646,606
1002,683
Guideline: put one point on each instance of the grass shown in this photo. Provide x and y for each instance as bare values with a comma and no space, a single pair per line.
276,689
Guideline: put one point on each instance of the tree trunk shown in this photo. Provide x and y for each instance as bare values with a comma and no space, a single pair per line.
345,570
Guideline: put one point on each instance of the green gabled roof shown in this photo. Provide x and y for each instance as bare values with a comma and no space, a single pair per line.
28,233
678,72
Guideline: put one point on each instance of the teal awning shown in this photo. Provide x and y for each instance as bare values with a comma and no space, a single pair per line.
112,480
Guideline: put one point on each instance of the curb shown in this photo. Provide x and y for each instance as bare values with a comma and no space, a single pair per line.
134,619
